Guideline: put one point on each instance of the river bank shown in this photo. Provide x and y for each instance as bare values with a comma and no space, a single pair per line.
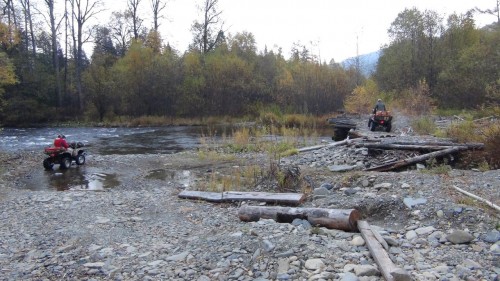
140,230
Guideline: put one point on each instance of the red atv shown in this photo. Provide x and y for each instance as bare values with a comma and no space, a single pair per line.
59,155
381,119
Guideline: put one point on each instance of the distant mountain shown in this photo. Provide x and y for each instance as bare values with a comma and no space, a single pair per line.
367,62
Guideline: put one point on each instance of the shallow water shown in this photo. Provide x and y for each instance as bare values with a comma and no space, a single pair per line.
106,141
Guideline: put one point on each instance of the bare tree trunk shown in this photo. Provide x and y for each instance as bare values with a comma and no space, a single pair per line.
29,32
133,8
11,17
157,6
55,57
211,18
66,47
83,10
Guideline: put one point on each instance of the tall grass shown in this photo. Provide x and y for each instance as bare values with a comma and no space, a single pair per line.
487,133
424,126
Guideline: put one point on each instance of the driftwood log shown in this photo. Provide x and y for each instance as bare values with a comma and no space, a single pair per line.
405,162
293,199
388,269
489,203
333,144
420,145
341,219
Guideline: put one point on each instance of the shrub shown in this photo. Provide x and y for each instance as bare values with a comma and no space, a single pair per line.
491,136
464,131
270,119
424,126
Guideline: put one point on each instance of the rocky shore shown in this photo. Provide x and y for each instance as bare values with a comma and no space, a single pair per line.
141,230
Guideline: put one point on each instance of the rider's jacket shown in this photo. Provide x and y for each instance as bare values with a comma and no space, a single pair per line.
60,142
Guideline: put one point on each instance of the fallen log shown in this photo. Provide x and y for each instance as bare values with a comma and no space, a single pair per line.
489,203
293,199
472,145
341,219
384,262
401,146
414,160
333,144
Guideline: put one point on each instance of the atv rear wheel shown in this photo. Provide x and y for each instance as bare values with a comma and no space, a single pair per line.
65,162
47,164
388,127
80,159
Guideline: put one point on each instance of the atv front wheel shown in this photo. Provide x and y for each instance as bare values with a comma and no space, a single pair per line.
373,126
80,159
47,164
65,162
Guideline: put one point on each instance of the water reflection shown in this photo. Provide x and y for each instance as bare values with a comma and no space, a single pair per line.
183,178
79,179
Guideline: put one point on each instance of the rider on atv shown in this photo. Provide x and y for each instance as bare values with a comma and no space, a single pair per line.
379,106
61,142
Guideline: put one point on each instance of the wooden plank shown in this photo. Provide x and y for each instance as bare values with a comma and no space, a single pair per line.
230,196
342,219
384,262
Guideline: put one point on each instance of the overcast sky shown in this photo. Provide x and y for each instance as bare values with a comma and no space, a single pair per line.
331,29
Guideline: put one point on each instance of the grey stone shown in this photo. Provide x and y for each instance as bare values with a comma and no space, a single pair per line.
384,185
365,183
492,236
401,275
425,230
268,245
410,235
470,264
179,257
350,191
411,202
326,185
459,237
342,168
348,276
366,270
313,264
321,191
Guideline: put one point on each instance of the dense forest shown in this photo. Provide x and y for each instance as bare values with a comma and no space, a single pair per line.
45,75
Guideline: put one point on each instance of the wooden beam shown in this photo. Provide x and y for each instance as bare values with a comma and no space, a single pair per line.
384,262
342,219
293,199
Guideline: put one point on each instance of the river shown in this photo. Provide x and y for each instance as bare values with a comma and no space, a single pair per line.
108,141
103,141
